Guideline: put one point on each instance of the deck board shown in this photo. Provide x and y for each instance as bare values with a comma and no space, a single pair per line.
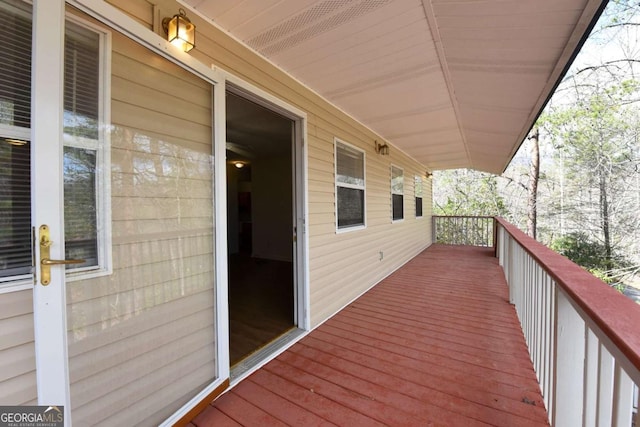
437,343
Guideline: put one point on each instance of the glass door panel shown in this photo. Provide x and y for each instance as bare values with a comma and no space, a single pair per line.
141,310
136,164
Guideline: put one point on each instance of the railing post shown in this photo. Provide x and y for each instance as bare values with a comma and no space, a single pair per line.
464,230
433,229
637,407
512,270
586,378
622,398
605,386
570,353
591,374
495,236
549,349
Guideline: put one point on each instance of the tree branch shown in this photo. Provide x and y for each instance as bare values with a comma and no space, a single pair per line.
606,65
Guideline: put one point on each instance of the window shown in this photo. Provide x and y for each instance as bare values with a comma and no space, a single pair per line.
397,192
15,147
418,192
15,212
84,174
350,187
84,183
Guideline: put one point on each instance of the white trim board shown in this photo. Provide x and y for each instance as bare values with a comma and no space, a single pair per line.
253,93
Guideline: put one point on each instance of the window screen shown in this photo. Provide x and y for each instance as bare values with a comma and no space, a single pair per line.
350,207
81,135
15,74
418,191
350,186
80,220
81,81
397,193
15,208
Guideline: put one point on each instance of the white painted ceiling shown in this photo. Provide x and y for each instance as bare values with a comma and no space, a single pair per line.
453,83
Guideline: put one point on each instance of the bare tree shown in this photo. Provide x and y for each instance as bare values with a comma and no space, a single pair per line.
534,177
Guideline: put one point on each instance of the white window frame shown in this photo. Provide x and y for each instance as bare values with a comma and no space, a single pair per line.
22,281
391,168
418,178
103,169
346,229
102,147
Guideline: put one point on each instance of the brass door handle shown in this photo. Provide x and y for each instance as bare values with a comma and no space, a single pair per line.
45,261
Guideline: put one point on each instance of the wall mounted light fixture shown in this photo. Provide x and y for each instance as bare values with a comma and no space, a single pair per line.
180,31
239,165
382,149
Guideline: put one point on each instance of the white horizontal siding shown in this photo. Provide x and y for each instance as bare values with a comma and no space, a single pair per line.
142,340
341,265
17,350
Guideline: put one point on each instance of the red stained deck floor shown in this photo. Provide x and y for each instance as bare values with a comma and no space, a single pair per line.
435,344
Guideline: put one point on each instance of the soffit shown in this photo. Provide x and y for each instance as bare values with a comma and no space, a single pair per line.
453,83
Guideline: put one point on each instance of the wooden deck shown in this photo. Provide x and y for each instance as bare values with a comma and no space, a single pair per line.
435,344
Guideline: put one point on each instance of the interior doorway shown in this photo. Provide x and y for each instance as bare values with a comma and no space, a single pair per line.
261,213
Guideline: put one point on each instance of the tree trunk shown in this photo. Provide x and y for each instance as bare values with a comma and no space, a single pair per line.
604,216
534,176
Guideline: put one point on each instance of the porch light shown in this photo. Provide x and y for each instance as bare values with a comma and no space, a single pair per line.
382,149
239,165
180,31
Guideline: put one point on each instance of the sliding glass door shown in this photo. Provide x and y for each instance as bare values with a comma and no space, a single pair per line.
108,205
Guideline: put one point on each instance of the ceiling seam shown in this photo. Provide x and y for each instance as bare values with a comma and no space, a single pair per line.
381,80
437,41
410,113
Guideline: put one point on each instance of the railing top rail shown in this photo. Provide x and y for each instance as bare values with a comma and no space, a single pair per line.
616,315
464,216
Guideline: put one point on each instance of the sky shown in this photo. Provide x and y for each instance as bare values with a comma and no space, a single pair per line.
606,43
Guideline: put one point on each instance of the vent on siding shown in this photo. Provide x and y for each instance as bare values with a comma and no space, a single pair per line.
317,19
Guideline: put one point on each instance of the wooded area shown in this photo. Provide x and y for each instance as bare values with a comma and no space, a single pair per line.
575,183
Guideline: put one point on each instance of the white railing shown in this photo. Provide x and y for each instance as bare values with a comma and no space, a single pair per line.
464,230
583,336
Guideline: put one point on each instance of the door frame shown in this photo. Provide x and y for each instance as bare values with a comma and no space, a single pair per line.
49,302
298,117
